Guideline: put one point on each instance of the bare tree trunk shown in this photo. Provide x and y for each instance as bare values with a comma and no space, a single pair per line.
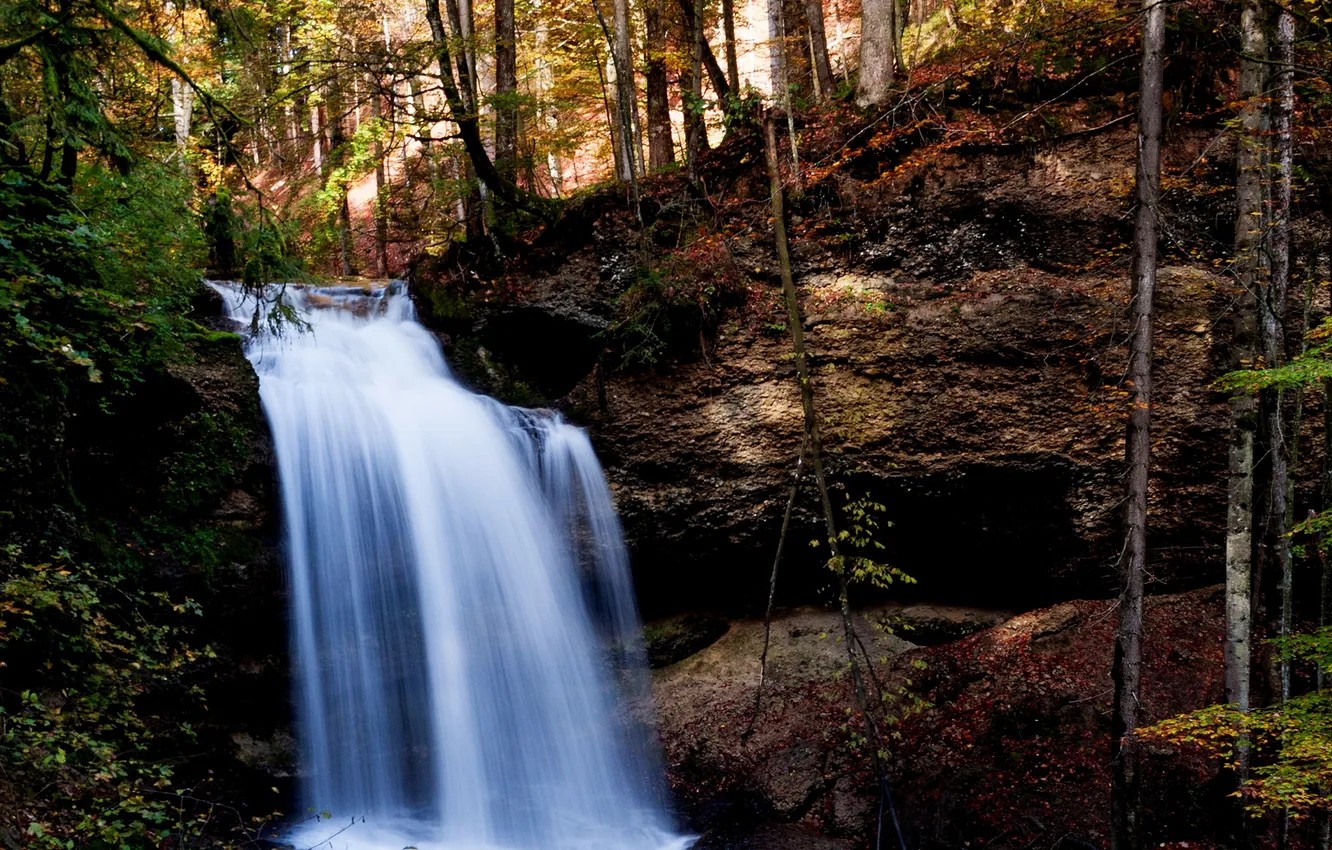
732,58
506,91
899,24
626,91
465,29
1243,412
715,74
316,139
661,152
781,81
1127,672
695,127
1274,315
823,78
182,106
463,46
772,584
878,25
625,161
776,53
336,138
380,209
545,80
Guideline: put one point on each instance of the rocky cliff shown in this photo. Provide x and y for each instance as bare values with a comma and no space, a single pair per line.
966,314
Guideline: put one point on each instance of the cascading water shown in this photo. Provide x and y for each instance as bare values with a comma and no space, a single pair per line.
465,641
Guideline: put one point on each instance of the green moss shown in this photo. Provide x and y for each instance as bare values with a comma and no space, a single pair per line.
448,306
214,447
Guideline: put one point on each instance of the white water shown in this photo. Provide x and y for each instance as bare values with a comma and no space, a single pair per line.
465,643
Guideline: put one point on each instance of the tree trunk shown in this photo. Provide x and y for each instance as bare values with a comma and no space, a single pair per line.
899,24
1243,412
625,90
380,209
661,152
823,77
506,91
1274,317
732,58
779,68
464,27
316,139
182,107
545,80
696,133
877,62
463,46
625,165
777,54
1127,672
715,74
336,138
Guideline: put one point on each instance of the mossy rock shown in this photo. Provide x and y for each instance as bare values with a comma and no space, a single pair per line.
678,638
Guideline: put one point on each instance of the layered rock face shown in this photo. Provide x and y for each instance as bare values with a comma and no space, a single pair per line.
967,324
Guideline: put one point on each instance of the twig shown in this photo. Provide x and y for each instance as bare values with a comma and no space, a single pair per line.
772,584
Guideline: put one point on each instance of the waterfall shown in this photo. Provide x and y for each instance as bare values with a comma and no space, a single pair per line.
465,644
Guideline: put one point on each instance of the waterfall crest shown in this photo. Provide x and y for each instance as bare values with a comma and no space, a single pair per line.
465,642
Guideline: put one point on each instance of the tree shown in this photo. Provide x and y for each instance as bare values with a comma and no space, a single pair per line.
380,209
1274,340
1127,670
506,91
661,151
337,139
715,74
818,45
182,104
1248,268
878,51
777,53
625,91
728,33
696,131
464,115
